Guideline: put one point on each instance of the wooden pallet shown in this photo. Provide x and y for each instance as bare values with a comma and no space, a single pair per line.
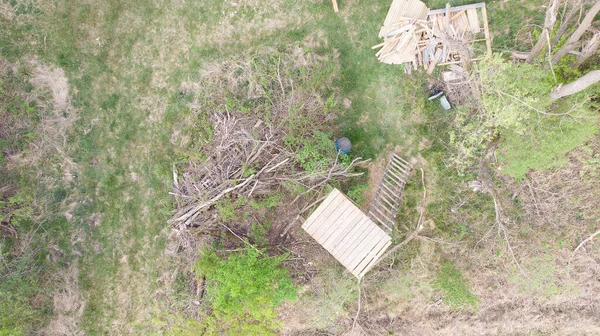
347,233
384,207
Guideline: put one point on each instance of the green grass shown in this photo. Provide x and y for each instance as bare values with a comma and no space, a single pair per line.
126,61
455,289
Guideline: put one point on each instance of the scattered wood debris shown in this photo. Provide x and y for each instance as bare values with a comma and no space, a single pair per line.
417,37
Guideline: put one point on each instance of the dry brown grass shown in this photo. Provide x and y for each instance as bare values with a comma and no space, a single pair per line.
69,304
557,296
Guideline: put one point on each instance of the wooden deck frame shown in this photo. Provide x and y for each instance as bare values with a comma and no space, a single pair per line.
347,233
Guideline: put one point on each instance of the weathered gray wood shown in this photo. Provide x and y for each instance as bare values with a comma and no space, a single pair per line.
336,216
375,259
363,249
356,241
311,219
345,231
387,191
455,9
381,221
384,207
402,171
359,229
354,215
369,257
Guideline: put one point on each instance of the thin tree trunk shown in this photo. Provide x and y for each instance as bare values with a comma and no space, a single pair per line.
583,27
548,26
579,85
566,21
590,49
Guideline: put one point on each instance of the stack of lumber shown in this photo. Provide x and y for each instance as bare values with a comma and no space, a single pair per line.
417,37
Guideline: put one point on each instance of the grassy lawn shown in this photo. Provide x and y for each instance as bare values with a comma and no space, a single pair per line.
125,61
128,65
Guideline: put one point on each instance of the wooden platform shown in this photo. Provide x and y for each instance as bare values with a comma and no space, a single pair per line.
347,233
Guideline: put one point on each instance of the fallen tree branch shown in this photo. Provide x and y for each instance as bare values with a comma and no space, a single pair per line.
592,236
358,310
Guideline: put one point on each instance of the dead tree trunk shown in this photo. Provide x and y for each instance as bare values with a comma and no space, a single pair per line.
566,21
545,36
579,85
574,38
590,49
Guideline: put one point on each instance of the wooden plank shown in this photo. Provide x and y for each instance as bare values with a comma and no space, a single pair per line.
375,260
394,188
395,185
345,234
364,248
399,158
328,224
355,240
396,176
385,216
404,171
334,199
356,231
371,255
447,15
473,18
455,9
404,174
351,218
332,195
401,161
335,6
377,219
389,192
455,16
384,199
486,30
378,45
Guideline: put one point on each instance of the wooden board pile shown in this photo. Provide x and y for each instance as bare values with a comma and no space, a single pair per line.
417,37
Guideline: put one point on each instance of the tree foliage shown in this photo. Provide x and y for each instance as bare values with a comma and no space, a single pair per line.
515,107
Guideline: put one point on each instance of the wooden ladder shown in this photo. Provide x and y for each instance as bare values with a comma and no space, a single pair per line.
384,207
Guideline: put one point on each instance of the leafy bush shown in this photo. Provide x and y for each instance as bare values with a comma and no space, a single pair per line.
243,291
356,193
456,292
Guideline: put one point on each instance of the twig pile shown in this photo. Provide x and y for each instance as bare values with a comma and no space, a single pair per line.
249,158
255,151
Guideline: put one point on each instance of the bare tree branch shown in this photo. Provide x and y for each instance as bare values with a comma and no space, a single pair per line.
578,33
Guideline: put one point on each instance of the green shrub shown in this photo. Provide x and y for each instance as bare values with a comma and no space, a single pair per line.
258,232
357,193
244,291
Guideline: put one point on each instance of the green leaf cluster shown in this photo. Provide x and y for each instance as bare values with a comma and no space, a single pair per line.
244,291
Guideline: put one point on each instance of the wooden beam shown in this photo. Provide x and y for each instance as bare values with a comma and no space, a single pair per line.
335,6
456,9
486,30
